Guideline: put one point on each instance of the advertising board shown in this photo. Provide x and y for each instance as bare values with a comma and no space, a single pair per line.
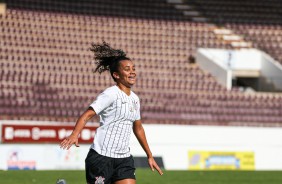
24,133
221,160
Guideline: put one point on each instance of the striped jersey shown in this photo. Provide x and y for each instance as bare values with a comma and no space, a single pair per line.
117,112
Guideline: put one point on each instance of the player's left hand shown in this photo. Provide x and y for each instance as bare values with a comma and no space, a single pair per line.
153,165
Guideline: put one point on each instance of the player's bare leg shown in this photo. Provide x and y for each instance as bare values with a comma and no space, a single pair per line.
126,181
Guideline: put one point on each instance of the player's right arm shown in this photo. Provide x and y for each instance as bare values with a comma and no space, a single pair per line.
80,123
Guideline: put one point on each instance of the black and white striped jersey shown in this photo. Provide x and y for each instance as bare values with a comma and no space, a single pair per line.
117,112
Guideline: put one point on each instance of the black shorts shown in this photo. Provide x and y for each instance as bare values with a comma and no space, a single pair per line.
102,169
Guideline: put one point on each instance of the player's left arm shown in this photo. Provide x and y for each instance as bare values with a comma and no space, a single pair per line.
141,137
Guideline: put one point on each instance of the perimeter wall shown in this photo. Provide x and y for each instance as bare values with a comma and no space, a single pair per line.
180,147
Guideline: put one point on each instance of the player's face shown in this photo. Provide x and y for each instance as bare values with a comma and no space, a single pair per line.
126,74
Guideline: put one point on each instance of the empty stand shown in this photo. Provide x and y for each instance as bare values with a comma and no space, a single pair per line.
47,68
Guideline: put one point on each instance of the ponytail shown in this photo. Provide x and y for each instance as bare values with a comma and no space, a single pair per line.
107,58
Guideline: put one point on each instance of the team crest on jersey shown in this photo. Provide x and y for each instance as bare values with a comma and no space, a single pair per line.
135,105
99,180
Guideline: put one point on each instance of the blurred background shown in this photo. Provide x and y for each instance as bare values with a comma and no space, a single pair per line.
209,80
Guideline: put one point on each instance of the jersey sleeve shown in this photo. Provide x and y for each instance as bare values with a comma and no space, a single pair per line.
102,101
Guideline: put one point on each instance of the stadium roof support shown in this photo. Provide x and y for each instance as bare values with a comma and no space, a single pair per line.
226,65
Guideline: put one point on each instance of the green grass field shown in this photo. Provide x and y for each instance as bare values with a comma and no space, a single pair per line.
145,176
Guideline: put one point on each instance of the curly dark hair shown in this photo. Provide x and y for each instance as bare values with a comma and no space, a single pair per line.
107,58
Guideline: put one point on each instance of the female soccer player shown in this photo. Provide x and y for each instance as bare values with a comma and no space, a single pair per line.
109,160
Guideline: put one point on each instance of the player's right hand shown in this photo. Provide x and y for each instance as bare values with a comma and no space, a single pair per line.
69,141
